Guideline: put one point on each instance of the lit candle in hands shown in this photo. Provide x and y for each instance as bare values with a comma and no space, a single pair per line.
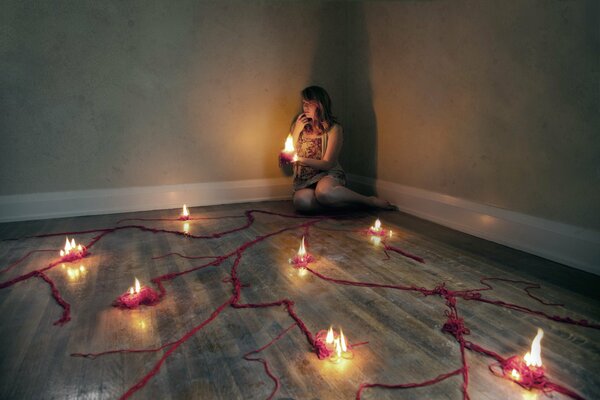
288,154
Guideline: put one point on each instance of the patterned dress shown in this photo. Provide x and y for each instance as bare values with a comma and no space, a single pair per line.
314,147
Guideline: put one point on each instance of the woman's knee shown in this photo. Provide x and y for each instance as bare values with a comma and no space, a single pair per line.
325,195
304,201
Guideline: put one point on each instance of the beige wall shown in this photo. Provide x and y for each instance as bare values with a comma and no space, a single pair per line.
495,102
115,94
492,101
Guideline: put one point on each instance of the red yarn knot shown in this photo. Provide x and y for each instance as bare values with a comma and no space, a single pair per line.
440,290
321,349
455,326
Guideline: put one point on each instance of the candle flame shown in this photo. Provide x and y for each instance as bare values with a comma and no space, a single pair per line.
338,347
302,250
329,338
343,341
289,144
515,375
67,246
534,358
185,212
137,285
131,292
73,245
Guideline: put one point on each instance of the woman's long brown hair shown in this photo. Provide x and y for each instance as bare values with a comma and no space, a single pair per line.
324,114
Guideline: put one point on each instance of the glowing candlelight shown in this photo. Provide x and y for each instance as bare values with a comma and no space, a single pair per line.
288,154
534,358
376,240
377,227
72,251
527,371
337,352
75,273
185,214
289,144
329,345
515,375
136,295
302,259
340,346
302,250
377,231
329,338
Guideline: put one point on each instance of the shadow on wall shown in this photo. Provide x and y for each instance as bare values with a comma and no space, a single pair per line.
360,140
341,66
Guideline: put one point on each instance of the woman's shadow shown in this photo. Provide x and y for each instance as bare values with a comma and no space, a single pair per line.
348,80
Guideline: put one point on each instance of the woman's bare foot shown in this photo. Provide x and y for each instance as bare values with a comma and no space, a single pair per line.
381,203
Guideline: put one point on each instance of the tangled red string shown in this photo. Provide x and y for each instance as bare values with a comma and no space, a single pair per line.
454,324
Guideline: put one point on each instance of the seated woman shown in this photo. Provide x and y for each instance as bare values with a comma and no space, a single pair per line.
319,180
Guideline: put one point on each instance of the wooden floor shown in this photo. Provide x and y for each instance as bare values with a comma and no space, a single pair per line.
403,329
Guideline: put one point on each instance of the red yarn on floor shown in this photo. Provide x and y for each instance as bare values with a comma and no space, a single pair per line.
454,324
265,363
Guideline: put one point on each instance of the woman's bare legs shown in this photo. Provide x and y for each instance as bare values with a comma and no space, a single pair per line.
306,201
331,194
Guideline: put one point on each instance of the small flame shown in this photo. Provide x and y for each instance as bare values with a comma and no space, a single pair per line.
377,226
329,338
82,268
515,375
302,250
137,285
289,144
343,341
70,246
131,292
185,212
338,347
534,358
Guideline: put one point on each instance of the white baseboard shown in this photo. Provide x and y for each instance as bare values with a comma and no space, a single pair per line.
108,201
563,243
567,244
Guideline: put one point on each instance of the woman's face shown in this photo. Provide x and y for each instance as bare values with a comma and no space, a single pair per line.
309,107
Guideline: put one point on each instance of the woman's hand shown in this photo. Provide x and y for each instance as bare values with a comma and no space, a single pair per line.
301,121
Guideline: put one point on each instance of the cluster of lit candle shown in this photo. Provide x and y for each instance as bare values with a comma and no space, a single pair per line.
526,370
72,251
136,295
333,346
